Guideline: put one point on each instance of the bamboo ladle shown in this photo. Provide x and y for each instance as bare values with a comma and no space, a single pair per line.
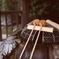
35,22
41,23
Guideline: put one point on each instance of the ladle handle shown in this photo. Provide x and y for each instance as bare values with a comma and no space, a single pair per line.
35,44
26,43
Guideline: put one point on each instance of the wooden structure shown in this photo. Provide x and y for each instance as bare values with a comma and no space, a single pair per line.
25,18
12,14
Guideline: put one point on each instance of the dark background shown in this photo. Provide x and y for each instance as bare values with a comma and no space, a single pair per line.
45,9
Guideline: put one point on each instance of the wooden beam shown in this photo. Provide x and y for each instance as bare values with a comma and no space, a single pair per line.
54,24
10,12
45,29
0,29
25,12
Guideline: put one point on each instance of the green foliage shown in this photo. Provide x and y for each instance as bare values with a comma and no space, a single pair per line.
0,4
4,5
43,7
10,4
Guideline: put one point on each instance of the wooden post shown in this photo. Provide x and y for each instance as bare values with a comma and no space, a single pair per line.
25,12
0,29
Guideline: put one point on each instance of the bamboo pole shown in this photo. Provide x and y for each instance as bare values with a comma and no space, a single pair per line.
26,43
35,44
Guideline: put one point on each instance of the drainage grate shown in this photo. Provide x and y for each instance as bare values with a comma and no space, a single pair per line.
26,32
50,37
46,36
